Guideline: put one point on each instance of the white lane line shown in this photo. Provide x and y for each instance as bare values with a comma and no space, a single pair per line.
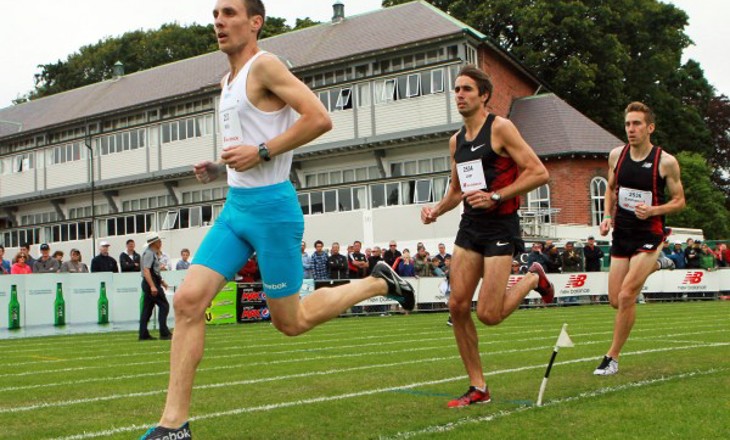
334,357
105,338
274,406
318,349
446,427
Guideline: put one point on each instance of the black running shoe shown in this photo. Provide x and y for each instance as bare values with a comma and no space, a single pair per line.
398,289
162,433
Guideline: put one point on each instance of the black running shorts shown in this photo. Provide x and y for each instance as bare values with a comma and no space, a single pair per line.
491,236
626,245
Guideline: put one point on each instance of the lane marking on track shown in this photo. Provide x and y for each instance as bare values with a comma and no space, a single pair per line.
275,406
307,359
446,427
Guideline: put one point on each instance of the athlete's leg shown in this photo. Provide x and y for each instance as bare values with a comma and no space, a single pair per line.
466,268
496,302
641,266
293,316
191,299
616,275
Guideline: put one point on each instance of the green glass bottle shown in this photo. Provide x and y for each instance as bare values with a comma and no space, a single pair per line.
59,307
103,305
13,309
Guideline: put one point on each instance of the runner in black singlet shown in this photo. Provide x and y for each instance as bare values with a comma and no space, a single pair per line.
638,175
492,166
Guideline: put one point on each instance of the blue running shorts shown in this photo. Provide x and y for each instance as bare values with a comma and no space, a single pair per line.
267,220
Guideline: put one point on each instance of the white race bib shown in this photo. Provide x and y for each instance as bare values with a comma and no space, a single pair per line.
471,175
231,128
628,198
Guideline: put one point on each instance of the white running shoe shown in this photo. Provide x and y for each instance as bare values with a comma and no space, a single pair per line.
607,367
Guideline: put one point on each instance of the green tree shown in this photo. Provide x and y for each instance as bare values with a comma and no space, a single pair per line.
137,50
274,26
305,22
717,119
705,202
600,55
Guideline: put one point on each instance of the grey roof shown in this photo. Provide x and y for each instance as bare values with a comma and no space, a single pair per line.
552,127
380,30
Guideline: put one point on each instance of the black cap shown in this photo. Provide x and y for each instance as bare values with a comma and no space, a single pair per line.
45,247
590,237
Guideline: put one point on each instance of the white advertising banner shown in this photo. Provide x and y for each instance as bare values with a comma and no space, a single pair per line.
37,293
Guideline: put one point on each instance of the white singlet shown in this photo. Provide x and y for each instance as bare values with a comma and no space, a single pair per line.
243,124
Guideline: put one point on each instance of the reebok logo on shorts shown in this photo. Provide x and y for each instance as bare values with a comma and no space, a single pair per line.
275,286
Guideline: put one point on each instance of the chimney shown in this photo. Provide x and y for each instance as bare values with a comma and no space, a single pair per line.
118,70
339,12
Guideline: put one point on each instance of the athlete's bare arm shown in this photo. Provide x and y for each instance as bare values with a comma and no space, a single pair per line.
207,171
272,77
669,169
509,142
453,196
609,198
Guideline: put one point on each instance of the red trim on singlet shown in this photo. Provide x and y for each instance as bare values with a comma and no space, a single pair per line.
656,221
617,168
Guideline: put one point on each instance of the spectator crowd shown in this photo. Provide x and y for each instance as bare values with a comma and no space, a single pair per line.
354,262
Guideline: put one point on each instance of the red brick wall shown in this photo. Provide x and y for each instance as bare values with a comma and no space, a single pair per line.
570,191
509,83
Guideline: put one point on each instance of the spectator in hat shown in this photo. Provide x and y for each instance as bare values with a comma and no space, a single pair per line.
515,268
46,263
104,262
592,255
129,260
152,286
74,265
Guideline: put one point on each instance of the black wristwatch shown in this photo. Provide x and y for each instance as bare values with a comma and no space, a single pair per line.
264,152
496,197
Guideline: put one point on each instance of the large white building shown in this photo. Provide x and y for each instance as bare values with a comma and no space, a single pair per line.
127,145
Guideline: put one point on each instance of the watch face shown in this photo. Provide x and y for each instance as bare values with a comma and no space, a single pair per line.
496,197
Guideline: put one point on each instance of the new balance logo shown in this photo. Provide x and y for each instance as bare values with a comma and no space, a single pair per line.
693,278
648,246
473,149
576,281
647,165
513,280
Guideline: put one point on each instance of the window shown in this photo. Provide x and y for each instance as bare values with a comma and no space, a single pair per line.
363,95
598,192
413,86
344,101
437,81
538,202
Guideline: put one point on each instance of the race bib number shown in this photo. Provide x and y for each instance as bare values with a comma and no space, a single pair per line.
471,175
628,198
231,128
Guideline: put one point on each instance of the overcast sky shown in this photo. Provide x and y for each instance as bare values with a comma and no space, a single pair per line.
44,31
